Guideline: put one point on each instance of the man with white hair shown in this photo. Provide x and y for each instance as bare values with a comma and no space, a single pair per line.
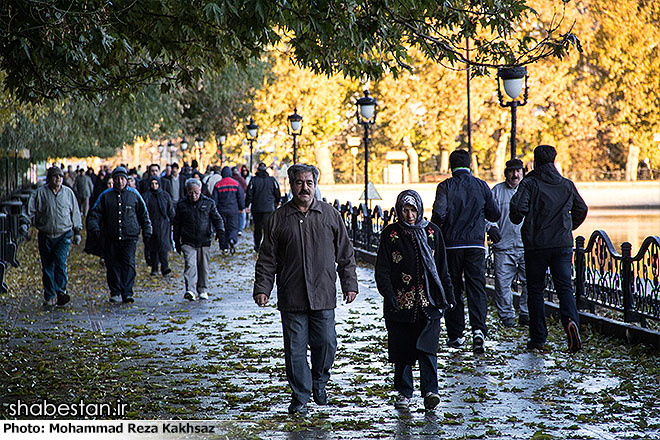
195,221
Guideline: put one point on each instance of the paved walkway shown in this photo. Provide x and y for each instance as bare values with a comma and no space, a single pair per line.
222,360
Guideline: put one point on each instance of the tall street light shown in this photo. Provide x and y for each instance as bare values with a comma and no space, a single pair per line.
366,116
172,149
512,78
161,149
184,146
295,129
221,142
252,133
354,152
199,143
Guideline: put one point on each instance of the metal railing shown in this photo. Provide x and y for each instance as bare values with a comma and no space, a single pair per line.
602,277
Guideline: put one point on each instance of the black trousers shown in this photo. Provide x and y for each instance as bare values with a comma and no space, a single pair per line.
468,264
120,265
260,220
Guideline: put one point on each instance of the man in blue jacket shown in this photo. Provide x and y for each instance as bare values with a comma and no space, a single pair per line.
551,207
116,218
462,205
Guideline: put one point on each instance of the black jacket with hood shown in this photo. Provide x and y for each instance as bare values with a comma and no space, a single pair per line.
551,207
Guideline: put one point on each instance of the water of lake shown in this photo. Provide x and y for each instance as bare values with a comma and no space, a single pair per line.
631,225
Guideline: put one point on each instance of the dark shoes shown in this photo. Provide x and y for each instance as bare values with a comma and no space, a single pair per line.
154,272
456,343
62,299
509,323
573,333
297,409
128,300
167,271
431,400
539,346
478,342
320,396
523,320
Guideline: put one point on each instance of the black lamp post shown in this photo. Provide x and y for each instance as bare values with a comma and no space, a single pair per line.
199,143
171,148
184,146
252,133
366,116
221,142
295,129
161,149
512,78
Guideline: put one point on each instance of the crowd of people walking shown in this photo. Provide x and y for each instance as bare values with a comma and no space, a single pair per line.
423,268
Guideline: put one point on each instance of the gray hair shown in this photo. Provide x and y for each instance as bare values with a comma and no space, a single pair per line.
193,182
298,168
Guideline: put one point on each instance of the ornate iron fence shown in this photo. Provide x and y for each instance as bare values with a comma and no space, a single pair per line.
602,277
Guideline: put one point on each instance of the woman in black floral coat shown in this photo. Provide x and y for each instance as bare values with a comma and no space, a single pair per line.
412,277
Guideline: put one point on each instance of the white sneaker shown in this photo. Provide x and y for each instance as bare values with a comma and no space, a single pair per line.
478,342
203,295
401,402
115,299
189,295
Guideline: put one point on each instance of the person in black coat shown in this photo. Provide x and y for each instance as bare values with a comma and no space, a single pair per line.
230,201
462,205
263,195
551,208
195,222
161,212
116,220
412,277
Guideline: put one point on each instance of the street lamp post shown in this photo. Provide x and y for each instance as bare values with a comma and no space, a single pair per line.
512,78
199,143
221,142
366,116
295,129
171,148
184,146
252,132
161,149
354,152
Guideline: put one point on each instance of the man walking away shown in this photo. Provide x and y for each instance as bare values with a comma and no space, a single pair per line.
83,188
263,196
230,201
551,208
508,252
462,205
54,211
195,222
305,246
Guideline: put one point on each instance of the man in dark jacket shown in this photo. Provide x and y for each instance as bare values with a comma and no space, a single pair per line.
161,213
116,218
462,205
305,246
230,201
195,222
263,196
551,207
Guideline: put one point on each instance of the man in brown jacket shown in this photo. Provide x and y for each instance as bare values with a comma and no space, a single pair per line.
304,240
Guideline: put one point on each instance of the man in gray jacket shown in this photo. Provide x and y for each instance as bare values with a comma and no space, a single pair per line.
54,211
304,241
508,251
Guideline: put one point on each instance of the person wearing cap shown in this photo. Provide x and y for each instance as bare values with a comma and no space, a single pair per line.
262,196
462,205
508,252
116,219
54,211
550,208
